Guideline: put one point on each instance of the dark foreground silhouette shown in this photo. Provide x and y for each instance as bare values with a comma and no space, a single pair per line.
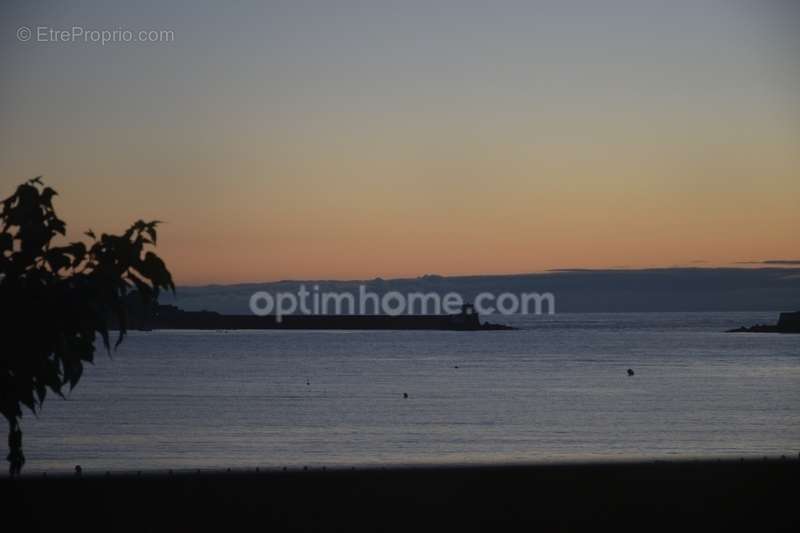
56,300
675,496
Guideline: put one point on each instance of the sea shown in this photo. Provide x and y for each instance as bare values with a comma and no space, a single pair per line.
555,390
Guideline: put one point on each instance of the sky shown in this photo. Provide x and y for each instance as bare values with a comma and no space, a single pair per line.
351,140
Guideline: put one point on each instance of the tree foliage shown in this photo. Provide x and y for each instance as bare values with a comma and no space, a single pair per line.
55,300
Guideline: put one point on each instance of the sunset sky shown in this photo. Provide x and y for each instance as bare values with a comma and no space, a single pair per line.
341,140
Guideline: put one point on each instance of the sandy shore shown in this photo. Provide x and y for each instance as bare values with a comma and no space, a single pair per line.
663,496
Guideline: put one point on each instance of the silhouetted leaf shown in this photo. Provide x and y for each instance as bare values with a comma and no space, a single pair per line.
75,374
47,196
41,392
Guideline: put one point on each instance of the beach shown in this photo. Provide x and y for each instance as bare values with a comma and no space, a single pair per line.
759,495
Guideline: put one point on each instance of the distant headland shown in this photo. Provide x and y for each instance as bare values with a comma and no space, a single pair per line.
787,323
577,291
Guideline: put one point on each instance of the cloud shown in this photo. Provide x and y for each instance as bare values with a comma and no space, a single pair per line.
789,262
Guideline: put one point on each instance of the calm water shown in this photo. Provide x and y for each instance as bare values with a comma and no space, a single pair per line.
555,390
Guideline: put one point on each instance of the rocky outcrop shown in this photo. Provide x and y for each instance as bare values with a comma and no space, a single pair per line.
787,323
